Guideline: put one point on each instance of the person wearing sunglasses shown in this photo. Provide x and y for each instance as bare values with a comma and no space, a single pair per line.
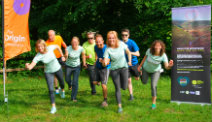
134,49
90,59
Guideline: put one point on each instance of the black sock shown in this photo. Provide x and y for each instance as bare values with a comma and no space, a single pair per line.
56,87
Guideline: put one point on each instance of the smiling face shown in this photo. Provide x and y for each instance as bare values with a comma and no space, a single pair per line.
158,48
125,36
40,48
111,40
99,42
74,42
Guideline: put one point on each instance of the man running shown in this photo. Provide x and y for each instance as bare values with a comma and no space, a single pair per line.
102,73
90,59
56,40
134,49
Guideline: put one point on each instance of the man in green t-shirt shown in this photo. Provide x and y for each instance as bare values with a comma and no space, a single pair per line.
90,59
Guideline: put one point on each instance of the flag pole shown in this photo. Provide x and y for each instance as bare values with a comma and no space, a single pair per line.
4,62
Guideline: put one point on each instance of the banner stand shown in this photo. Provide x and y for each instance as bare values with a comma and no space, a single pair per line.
194,103
4,61
191,52
5,79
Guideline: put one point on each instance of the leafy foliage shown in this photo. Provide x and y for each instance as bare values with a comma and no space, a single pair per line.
147,19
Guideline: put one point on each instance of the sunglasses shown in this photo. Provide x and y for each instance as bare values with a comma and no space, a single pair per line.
124,34
90,38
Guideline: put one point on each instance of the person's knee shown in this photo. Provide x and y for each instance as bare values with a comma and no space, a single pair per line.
67,79
124,88
51,92
144,81
74,84
118,90
129,80
104,86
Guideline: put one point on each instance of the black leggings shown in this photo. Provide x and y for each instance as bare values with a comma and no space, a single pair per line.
50,82
120,80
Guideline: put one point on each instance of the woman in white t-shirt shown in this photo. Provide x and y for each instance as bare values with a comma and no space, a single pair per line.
73,66
115,53
51,68
151,65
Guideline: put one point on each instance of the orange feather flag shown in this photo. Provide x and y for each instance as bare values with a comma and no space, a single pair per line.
16,29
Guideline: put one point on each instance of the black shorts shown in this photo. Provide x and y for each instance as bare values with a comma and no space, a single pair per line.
102,75
133,70
62,63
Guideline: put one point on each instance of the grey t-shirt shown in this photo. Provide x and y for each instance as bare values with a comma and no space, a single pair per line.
74,56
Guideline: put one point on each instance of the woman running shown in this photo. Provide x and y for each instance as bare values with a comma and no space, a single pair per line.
73,66
52,68
119,67
151,65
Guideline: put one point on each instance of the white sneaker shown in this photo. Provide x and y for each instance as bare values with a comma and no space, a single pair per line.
53,110
62,93
57,91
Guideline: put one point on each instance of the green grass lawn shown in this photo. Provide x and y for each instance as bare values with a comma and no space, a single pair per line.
29,101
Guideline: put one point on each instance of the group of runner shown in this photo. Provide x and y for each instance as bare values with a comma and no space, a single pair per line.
119,58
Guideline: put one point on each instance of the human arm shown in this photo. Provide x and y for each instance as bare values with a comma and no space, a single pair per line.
141,64
136,53
84,59
65,47
168,65
60,51
129,56
30,66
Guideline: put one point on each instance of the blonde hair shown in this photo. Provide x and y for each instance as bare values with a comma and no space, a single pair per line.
41,41
116,39
75,37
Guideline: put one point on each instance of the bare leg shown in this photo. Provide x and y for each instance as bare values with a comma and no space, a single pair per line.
53,105
130,86
137,78
95,82
104,89
55,82
154,100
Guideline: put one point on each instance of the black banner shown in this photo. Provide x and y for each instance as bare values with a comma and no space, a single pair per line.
191,46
